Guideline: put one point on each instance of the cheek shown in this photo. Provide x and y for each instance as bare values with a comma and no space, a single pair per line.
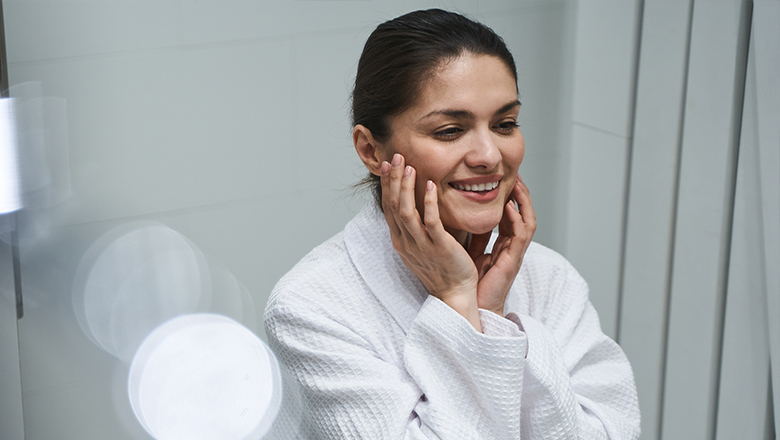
514,155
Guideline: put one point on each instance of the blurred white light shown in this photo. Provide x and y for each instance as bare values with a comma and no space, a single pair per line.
10,192
131,282
42,135
204,376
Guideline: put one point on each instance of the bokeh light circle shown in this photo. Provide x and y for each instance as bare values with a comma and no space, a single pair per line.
135,278
204,376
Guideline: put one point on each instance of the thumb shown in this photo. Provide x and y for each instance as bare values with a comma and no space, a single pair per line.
478,245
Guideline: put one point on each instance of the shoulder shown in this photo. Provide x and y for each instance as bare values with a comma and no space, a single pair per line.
323,287
543,263
325,268
547,283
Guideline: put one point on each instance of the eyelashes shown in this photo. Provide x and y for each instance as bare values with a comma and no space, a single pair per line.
449,133
508,126
452,133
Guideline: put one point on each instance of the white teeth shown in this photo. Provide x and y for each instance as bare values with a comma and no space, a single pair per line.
476,187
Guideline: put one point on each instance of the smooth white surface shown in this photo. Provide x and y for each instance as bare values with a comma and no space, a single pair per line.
204,376
651,199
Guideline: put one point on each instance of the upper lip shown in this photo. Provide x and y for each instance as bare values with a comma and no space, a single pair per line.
477,180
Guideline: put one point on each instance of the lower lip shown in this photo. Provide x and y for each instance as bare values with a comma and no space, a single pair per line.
483,196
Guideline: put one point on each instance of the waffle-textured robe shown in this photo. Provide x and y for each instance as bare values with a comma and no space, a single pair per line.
367,353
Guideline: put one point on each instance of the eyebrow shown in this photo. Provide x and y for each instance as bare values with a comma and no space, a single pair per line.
465,114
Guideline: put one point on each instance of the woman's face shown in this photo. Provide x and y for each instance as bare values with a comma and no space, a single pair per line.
463,135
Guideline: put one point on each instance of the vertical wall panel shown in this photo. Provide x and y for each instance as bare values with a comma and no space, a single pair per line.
766,38
596,216
651,201
604,77
712,109
744,380
603,92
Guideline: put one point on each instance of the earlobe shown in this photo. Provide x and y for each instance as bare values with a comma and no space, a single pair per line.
368,149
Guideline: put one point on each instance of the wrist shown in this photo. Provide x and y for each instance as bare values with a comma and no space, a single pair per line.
466,306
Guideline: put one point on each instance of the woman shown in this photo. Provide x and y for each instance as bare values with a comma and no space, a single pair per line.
413,322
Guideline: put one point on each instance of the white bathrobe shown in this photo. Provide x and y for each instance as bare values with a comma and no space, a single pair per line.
367,354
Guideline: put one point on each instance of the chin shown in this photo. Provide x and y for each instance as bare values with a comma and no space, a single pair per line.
482,223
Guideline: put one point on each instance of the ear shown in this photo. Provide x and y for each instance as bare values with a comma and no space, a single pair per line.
371,152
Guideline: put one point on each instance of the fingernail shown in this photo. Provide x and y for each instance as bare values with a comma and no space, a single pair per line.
385,168
429,186
407,171
396,160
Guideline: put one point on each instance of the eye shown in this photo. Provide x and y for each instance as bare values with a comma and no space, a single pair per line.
507,127
448,133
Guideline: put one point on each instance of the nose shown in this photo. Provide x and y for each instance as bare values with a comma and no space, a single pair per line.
483,151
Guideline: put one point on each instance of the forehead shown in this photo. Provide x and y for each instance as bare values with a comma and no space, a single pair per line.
476,83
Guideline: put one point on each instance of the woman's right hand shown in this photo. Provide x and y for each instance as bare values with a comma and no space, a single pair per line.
426,248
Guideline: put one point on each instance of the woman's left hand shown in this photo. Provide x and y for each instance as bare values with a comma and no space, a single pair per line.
498,269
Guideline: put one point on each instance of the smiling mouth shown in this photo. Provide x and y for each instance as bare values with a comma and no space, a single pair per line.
477,187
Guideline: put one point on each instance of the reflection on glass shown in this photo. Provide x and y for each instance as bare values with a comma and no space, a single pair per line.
34,172
9,180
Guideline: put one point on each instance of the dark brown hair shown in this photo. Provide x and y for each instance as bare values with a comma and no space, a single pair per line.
401,55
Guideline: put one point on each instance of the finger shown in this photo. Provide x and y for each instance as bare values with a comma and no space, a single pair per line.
407,209
433,223
501,244
478,244
513,238
384,177
483,263
390,180
391,184
524,200
526,207
392,201
522,229
507,227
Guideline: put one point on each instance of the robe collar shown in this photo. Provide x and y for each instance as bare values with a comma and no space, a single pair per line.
368,242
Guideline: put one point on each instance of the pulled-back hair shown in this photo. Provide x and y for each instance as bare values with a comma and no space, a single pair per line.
401,55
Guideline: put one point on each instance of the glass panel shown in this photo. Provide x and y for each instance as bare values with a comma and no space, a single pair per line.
179,158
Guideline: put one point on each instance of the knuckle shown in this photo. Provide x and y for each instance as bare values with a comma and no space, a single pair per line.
406,215
523,236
